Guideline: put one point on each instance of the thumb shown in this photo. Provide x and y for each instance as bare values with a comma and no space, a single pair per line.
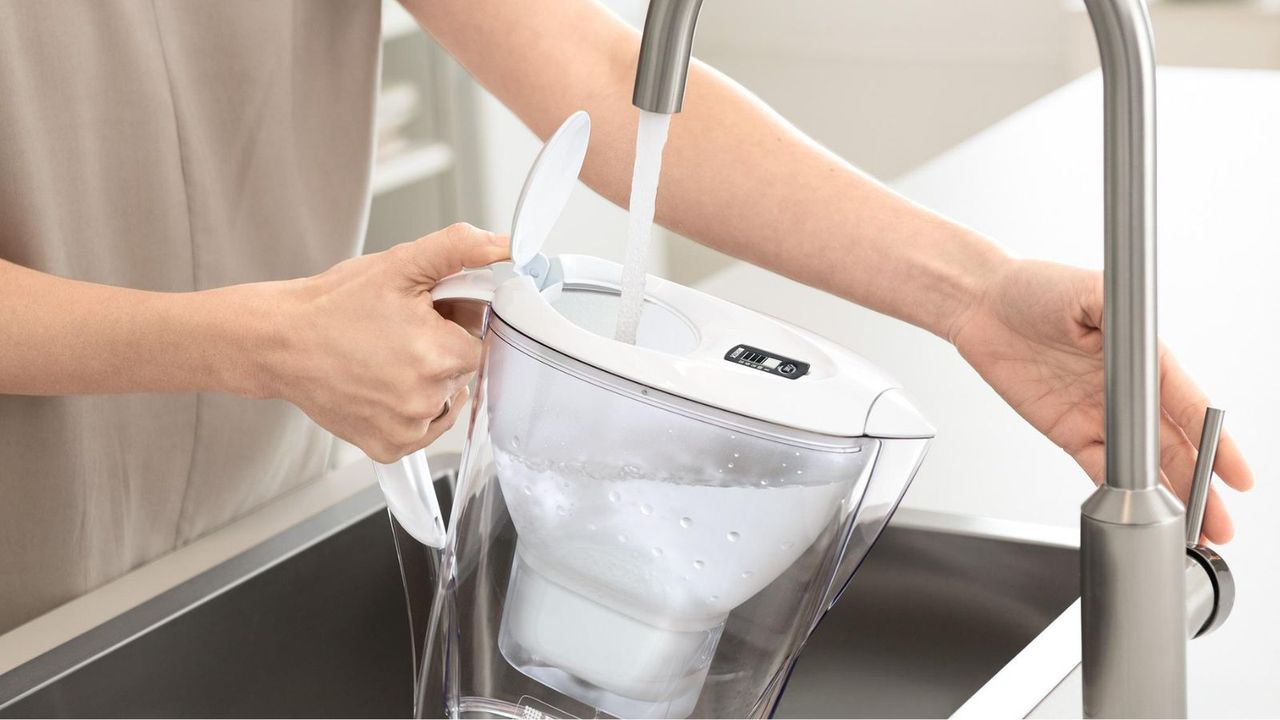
445,252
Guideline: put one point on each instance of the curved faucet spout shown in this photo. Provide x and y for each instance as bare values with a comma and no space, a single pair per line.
1126,51
665,50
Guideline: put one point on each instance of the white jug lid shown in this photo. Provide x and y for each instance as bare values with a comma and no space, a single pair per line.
547,188
701,348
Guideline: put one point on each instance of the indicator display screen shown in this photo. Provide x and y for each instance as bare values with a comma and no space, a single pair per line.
765,361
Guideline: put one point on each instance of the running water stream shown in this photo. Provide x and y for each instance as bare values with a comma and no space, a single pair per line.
651,137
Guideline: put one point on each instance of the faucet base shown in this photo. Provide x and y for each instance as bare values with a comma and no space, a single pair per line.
1133,604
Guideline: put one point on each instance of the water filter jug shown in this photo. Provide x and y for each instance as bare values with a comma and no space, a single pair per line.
647,530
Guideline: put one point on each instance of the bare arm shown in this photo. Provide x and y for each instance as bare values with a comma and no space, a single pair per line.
736,176
65,337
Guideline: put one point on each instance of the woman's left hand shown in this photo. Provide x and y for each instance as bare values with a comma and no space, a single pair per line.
1035,336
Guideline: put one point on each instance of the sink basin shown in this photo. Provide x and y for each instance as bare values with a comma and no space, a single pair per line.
312,623
931,617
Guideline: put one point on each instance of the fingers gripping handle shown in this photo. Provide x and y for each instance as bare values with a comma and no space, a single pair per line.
411,497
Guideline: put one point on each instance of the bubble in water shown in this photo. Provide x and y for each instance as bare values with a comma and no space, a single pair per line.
730,464
713,598
631,471
784,464
657,552
737,455
698,564
622,537
732,536
615,496
566,484
527,490
646,509
788,545
686,522
515,441
732,436
561,510
747,573
799,472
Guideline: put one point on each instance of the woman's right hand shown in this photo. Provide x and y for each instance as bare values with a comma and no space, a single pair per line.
362,351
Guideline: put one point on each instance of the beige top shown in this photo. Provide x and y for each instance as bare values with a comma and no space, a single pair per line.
167,145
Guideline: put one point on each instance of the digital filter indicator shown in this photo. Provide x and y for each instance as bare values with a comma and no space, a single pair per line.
766,361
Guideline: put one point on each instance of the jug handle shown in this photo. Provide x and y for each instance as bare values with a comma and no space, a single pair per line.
464,297
411,497
474,285
406,483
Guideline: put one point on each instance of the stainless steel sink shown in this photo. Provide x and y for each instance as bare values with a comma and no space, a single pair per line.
313,623
930,617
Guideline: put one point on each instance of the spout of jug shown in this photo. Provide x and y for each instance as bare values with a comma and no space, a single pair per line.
897,461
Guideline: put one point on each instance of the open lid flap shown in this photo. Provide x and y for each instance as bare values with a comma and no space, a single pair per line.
546,191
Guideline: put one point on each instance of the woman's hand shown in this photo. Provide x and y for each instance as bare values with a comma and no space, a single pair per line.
1035,336
363,352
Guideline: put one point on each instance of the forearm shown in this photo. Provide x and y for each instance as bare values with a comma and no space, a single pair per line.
65,337
736,176
746,182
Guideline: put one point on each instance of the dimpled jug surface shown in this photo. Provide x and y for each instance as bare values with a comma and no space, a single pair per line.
619,545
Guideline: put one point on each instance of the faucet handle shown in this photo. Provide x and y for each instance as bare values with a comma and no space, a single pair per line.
1203,475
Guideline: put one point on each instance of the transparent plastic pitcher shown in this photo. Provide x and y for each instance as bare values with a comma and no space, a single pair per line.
647,530
621,551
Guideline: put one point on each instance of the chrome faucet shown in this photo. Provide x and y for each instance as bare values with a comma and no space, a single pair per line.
1141,565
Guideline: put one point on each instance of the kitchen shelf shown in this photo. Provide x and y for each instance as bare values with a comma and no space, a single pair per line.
422,162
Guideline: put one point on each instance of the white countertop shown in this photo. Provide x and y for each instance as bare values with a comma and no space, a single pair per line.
1034,182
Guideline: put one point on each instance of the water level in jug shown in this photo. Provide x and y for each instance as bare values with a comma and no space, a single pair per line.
622,581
